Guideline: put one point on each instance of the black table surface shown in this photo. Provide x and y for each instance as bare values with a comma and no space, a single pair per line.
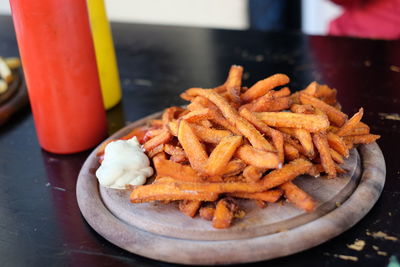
40,222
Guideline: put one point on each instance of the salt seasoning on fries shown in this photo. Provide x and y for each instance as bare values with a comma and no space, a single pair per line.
237,143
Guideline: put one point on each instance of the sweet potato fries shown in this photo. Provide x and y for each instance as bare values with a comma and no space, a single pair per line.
233,142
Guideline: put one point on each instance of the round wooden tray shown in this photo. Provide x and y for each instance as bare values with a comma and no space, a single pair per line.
159,231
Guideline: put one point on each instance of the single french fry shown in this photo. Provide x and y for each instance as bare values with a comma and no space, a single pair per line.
163,138
268,196
234,167
349,144
304,109
276,136
361,139
332,129
259,102
326,94
205,123
189,207
336,156
305,140
224,213
293,142
285,91
263,86
285,174
154,151
312,123
217,116
263,104
220,89
358,131
278,104
163,179
207,212
265,99
316,170
234,179
177,154
337,117
186,97
252,174
298,197
194,105
180,113
233,83
323,92
167,192
277,139
321,143
152,133
177,171
271,101
258,158
288,131
320,112
169,114
291,153
362,125
221,155
139,132
246,129
197,115
311,89
234,77
173,127
219,187
337,144
156,123
351,123
193,148
209,135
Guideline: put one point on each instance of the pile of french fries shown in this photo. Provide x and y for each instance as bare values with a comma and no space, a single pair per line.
233,142
6,67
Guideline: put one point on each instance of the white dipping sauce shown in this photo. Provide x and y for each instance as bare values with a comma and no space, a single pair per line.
124,163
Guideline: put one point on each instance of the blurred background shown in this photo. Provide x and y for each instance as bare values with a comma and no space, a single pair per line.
308,16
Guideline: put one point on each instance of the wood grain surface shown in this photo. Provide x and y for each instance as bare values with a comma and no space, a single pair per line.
157,231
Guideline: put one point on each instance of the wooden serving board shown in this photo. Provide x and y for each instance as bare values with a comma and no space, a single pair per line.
158,231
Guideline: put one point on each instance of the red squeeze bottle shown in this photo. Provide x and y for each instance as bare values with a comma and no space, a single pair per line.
58,57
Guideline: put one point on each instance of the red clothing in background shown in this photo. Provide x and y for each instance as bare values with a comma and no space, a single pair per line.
378,19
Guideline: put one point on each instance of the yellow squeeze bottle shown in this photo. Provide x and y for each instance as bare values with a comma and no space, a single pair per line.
105,54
